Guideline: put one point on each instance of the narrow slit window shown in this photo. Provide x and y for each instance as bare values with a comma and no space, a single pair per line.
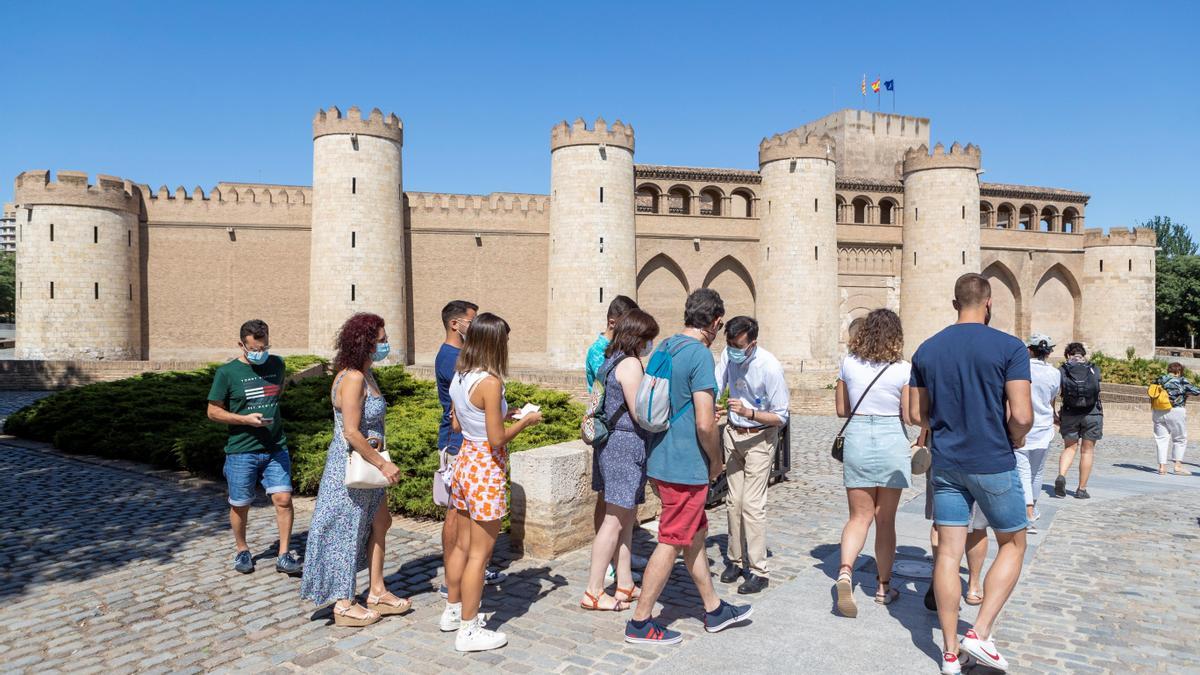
129,237
601,195
22,291
964,213
816,253
96,290
964,257
914,258
400,191
28,215
1101,265
916,213
1131,264
816,204
51,290
353,186
601,294
768,253
51,231
353,239
353,293
95,234
131,291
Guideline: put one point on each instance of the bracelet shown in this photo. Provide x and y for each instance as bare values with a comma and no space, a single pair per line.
752,417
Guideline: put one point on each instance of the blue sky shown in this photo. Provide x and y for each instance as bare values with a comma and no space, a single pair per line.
1095,97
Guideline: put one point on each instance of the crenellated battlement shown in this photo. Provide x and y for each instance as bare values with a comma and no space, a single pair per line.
1120,236
795,144
230,204
577,133
327,122
959,157
506,202
73,189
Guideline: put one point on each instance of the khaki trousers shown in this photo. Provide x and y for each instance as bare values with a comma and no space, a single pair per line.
748,460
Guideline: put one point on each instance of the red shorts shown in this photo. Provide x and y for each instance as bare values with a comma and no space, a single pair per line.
682,512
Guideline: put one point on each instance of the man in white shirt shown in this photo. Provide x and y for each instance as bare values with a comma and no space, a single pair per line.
758,409
1031,457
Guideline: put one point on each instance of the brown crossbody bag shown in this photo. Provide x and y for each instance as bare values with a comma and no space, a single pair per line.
839,442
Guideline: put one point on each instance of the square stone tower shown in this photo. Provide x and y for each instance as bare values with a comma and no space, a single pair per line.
870,144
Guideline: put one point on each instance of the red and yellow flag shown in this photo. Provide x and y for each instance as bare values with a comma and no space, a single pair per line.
875,86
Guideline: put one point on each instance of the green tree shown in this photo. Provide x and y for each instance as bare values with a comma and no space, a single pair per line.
8,286
1178,300
1174,239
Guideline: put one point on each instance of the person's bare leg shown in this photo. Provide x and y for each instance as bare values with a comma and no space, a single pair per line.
625,550
456,560
598,522
449,537
1087,453
887,500
284,514
1001,579
695,557
654,579
237,521
1067,456
947,585
606,542
376,545
977,547
483,539
858,524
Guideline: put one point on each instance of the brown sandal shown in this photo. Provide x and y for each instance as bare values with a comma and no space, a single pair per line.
341,617
388,603
886,595
592,604
631,594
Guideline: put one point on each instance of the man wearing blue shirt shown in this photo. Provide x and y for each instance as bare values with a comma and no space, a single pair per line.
972,386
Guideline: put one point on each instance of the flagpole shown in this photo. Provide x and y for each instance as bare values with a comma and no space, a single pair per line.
878,95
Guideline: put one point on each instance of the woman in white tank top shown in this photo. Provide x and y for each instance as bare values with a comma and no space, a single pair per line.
479,488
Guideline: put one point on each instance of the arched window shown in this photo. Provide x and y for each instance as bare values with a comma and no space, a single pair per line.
887,208
680,200
710,202
1004,216
1070,216
1048,220
985,214
647,199
861,207
741,204
1028,218
843,215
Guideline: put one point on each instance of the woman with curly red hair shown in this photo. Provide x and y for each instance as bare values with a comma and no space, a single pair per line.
349,525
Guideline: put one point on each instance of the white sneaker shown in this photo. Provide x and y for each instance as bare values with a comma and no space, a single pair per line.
984,651
451,617
473,637
950,664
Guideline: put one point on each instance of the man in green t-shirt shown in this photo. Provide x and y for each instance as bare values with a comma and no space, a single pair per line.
245,395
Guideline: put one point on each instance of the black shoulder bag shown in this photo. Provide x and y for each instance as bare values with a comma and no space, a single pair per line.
839,442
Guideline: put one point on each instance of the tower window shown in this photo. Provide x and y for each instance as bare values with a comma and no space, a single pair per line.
914,258
95,234
51,290
602,244
602,295
51,231
353,293
22,289
353,239
129,237
131,291
601,195
400,191
916,213
816,253
28,214
964,256
1101,265
815,207
353,186
964,213
1131,264
96,290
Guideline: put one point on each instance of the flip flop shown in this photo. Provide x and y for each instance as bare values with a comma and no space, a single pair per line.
592,604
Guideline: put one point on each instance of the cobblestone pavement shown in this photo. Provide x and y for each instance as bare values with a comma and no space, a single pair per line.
12,401
106,568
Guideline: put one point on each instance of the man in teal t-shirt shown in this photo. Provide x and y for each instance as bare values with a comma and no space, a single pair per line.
682,461
245,395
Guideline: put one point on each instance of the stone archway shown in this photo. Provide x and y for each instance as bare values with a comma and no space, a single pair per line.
1056,300
662,290
1006,298
731,279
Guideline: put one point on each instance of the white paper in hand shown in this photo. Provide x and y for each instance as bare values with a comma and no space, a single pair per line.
525,410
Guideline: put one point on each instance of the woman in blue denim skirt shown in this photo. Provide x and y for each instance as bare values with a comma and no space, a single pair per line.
877,458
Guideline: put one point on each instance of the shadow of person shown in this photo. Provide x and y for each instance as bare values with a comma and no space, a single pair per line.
522,590
1135,467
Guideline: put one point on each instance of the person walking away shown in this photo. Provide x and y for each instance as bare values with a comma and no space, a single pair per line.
349,525
1170,426
1045,381
1081,419
683,461
619,463
595,358
757,412
245,396
971,386
456,319
873,391
479,490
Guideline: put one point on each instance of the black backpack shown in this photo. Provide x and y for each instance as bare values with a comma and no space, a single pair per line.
1080,386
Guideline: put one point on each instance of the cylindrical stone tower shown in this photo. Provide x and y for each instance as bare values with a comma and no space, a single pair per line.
1118,291
78,267
358,250
941,236
592,251
798,302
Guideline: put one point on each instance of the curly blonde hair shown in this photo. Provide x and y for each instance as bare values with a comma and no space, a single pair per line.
880,338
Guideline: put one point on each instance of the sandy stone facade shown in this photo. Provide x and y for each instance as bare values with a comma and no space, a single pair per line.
821,234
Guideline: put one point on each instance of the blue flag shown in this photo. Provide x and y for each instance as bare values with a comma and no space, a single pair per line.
890,85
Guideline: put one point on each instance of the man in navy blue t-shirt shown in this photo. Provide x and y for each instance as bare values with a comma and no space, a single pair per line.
972,389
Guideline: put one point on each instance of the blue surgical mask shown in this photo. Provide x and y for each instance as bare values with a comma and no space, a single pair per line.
736,355
382,350
257,358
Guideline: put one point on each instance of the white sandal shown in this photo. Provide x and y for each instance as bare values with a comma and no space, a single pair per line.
341,617
845,595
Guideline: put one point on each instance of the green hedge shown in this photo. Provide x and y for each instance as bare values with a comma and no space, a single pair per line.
1131,370
159,418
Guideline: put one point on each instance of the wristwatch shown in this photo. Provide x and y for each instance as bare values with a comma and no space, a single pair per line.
375,443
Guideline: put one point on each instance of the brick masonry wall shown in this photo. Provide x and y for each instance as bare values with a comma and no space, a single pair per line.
42,375
1118,302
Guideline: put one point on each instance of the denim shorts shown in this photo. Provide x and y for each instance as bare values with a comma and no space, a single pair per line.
243,470
1000,497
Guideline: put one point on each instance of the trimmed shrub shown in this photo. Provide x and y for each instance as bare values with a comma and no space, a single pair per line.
160,419
1133,370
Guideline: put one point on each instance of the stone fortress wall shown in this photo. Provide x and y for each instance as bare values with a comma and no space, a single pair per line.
205,262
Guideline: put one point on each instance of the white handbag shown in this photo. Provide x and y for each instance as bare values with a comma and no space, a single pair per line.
362,475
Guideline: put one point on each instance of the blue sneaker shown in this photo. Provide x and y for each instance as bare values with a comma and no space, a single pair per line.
725,616
651,633
243,563
288,563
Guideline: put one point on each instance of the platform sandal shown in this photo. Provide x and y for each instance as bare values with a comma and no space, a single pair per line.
845,594
342,617
388,603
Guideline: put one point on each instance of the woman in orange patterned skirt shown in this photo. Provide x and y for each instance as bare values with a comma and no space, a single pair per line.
479,489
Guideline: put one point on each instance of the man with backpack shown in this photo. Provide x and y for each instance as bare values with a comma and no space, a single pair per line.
1081,418
683,460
